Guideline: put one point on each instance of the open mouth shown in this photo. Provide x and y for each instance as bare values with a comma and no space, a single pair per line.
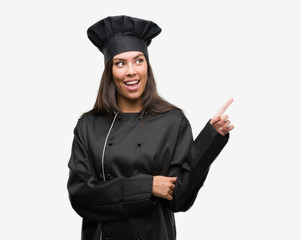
132,83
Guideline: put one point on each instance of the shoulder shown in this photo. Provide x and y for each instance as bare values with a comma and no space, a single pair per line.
175,117
178,115
174,114
90,120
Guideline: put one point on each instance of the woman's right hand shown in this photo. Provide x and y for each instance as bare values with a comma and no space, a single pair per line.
163,186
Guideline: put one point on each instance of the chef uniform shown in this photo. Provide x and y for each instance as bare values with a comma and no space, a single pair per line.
115,155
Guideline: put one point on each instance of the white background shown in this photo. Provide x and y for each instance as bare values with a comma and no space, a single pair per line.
207,52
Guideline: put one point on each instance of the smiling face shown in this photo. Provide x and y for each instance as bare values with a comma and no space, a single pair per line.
130,77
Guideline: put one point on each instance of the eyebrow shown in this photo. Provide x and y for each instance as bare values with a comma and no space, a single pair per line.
122,59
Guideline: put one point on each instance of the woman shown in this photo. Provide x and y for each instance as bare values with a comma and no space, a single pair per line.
134,162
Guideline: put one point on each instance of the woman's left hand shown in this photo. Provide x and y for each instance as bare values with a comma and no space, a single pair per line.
220,122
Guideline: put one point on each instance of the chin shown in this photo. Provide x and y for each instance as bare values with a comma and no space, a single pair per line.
133,99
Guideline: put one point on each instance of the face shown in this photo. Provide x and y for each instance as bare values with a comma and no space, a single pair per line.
130,76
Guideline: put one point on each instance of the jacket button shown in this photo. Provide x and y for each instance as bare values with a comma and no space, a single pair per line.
110,143
139,144
108,176
138,238
107,238
139,118
119,118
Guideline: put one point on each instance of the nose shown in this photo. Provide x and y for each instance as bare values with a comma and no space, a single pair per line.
131,69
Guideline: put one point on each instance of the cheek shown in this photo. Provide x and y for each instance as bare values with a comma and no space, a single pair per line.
143,74
118,75
118,78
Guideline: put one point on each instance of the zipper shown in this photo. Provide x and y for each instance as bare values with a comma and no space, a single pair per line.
104,147
102,161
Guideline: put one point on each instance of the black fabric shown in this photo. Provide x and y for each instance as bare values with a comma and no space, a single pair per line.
116,34
123,207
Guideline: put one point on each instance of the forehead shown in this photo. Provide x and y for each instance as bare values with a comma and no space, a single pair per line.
128,55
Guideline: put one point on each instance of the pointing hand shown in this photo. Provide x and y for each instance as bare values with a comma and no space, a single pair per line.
220,121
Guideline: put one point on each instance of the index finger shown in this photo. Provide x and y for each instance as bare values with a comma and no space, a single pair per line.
224,107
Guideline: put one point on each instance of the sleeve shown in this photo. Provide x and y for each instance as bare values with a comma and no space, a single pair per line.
191,162
104,201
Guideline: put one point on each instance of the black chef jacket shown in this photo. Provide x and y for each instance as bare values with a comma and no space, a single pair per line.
112,164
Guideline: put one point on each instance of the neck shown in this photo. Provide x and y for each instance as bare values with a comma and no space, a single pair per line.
127,106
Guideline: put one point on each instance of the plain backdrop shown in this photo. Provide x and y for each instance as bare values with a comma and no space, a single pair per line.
207,52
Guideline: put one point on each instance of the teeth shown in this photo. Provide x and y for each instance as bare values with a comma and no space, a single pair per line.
131,82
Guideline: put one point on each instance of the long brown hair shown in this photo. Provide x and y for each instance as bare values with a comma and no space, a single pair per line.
106,100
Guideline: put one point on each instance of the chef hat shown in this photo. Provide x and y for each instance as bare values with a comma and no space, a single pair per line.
117,34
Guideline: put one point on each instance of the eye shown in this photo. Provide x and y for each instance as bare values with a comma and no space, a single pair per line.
140,60
119,64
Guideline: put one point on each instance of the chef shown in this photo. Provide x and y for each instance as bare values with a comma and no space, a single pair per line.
134,162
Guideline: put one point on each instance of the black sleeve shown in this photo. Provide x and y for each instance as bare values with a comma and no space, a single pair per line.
104,201
191,162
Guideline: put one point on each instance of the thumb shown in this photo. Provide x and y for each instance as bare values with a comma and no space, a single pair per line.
215,119
173,179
